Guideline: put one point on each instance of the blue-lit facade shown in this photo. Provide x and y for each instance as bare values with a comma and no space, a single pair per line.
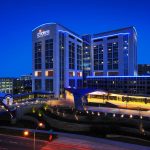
114,53
57,59
62,59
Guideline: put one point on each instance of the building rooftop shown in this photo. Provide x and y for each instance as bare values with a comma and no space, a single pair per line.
114,31
53,23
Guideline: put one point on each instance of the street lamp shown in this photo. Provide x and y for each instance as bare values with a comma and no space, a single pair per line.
41,125
26,133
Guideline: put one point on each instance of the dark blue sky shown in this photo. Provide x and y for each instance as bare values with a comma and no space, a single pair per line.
19,17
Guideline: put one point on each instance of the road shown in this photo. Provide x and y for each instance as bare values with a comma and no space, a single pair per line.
8,142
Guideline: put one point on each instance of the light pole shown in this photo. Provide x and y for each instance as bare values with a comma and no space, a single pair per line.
41,125
26,133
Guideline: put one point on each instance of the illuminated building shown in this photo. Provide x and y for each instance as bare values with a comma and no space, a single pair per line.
62,59
57,59
7,85
23,84
16,85
114,53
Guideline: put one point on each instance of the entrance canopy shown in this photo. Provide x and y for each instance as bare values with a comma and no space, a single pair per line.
78,94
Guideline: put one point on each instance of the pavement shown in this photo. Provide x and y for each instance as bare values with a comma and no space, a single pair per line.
8,142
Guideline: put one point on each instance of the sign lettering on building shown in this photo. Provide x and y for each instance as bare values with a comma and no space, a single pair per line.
43,33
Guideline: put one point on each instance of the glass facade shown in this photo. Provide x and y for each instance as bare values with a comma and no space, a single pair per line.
79,83
98,57
125,53
112,55
86,57
49,54
79,57
72,83
38,84
38,55
71,55
61,61
49,85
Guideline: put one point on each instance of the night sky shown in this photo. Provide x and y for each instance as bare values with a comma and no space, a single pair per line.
19,17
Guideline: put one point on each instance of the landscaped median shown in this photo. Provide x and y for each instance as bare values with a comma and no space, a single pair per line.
29,133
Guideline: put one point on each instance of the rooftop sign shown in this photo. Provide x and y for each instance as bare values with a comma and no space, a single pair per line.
43,33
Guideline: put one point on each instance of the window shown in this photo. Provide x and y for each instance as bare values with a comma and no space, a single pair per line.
98,40
49,85
37,55
61,61
79,57
125,53
79,41
38,84
98,57
72,83
72,37
79,83
49,54
71,74
71,55
112,37
38,73
112,55
79,74
49,73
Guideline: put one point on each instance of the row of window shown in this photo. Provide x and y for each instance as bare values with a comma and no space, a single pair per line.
112,56
79,57
72,83
48,54
71,55
48,84
61,62
38,54
98,57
